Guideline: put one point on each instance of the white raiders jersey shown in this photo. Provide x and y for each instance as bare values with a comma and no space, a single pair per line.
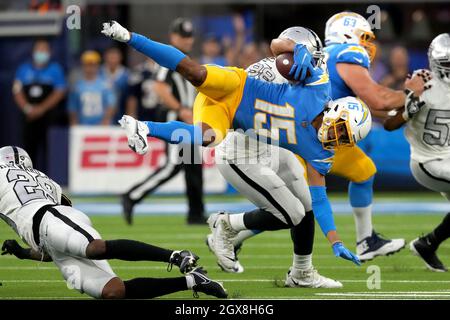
428,132
23,191
237,145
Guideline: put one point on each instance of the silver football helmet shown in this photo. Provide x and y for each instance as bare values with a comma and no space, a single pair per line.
309,38
439,57
15,155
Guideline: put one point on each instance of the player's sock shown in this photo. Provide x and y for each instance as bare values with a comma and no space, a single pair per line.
260,219
237,221
361,194
244,235
363,222
131,250
302,262
163,54
146,288
176,132
440,233
302,235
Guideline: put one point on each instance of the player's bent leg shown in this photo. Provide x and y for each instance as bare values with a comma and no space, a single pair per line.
131,250
354,165
302,272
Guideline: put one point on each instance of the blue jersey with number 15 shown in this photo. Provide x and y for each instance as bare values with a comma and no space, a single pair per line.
284,112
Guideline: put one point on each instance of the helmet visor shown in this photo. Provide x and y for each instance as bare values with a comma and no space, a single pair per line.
336,134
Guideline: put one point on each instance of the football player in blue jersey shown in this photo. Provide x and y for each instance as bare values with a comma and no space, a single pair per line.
297,116
349,50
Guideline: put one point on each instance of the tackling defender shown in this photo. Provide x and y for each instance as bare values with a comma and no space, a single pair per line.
229,99
427,120
34,207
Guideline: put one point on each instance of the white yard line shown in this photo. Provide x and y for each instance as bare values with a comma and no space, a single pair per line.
251,280
213,266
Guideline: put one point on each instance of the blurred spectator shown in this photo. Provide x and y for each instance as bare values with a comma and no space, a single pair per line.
117,74
398,68
378,69
39,87
212,51
45,5
250,54
142,100
233,47
177,98
91,100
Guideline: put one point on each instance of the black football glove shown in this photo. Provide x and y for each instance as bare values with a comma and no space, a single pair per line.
13,247
412,105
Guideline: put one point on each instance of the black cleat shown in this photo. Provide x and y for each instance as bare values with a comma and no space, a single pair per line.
184,259
421,248
206,285
127,208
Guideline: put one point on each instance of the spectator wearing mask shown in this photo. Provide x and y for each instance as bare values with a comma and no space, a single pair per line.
38,88
91,100
117,74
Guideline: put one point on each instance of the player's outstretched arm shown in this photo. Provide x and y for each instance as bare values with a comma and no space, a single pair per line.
324,215
163,54
376,96
13,247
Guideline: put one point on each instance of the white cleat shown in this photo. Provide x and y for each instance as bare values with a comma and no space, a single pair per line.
223,235
238,268
136,132
309,279
374,246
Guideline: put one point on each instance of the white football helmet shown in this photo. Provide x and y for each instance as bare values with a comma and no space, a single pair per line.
350,27
309,39
345,122
439,57
15,155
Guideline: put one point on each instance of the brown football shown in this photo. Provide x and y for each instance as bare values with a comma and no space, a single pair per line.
284,63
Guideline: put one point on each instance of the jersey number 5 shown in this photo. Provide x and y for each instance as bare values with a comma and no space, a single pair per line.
437,125
281,118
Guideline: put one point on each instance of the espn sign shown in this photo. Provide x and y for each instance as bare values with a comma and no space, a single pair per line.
100,162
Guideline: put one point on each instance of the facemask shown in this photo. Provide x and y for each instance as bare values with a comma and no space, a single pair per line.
41,57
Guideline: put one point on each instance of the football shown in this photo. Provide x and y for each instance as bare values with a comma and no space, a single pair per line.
284,63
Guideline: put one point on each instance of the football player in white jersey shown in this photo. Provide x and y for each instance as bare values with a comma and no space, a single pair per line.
33,205
427,120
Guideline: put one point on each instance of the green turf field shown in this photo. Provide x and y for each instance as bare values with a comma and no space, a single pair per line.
265,257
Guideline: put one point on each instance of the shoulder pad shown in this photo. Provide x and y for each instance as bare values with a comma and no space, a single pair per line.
354,54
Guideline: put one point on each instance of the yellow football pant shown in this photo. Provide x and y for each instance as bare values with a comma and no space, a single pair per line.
218,98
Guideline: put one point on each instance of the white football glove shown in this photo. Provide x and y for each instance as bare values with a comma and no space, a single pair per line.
115,31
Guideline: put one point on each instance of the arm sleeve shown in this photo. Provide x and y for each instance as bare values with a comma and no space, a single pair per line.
164,55
322,209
